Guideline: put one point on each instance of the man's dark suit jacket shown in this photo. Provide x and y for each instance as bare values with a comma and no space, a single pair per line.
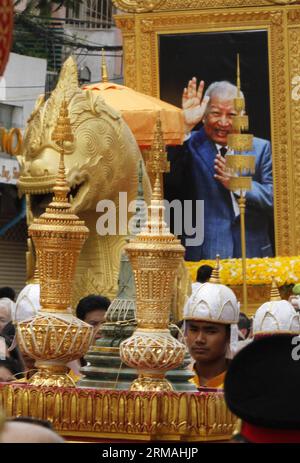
192,178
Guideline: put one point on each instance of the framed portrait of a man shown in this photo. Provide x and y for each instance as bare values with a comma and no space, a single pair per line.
207,202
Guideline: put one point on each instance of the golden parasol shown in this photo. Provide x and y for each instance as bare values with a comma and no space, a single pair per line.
141,111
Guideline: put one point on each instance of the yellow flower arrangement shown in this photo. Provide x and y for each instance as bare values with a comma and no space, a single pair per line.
286,270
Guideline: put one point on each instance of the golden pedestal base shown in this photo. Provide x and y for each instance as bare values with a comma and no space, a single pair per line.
51,376
89,414
153,382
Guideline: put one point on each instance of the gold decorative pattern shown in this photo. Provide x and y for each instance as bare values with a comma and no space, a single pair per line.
117,415
282,175
240,141
294,79
201,4
138,6
67,338
240,163
273,19
240,123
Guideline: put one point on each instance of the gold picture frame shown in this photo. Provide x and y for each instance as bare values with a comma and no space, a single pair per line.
281,20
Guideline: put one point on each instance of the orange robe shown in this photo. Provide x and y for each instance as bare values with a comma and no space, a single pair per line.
216,382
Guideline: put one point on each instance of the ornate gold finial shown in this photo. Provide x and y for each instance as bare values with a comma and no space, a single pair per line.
215,276
155,255
54,337
104,73
240,122
62,134
275,294
157,163
58,225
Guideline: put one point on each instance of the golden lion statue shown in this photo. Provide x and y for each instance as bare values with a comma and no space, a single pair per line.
102,161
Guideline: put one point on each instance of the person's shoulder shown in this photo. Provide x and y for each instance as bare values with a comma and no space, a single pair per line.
198,136
261,143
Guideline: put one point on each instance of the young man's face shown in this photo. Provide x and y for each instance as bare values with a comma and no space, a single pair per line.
218,120
96,318
206,341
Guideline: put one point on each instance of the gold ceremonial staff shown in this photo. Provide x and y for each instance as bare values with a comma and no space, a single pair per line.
240,167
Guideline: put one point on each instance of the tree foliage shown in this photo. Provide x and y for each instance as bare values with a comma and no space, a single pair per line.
45,7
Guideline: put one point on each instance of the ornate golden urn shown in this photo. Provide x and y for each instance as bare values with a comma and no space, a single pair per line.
55,337
155,255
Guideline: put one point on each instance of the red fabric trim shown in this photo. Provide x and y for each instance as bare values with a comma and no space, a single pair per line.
260,435
6,28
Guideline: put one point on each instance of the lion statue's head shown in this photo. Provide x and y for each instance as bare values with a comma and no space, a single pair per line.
102,160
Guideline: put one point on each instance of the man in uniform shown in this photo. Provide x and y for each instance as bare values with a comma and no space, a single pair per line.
211,316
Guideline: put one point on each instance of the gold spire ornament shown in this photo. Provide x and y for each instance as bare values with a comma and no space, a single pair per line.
104,73
155,255
215,275
275,294
156,157
55,337
240,167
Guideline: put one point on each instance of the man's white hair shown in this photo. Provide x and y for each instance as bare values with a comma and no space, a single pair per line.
223,89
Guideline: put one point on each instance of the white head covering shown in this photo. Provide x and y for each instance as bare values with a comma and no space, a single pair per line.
7,308
276,316
28,302
216,303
